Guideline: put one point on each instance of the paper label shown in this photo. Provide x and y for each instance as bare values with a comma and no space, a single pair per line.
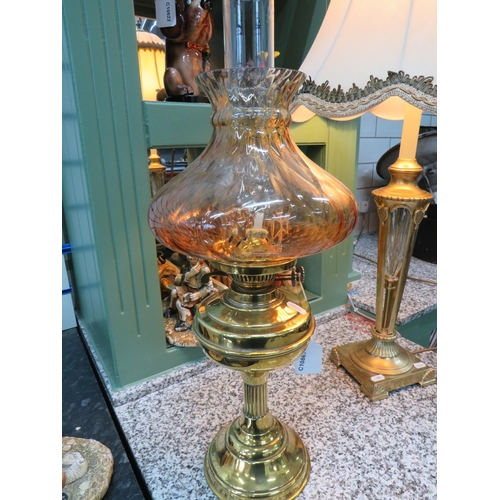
165,13
310,362
419,365
377,378
296,307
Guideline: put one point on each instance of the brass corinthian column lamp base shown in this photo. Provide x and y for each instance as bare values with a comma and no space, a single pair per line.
380,364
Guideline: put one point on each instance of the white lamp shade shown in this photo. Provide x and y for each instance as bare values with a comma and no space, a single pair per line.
151,51
363,38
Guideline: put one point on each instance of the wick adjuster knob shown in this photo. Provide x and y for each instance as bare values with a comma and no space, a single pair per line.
296,276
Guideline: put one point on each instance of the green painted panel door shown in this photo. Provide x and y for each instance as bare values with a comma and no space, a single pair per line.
107,131
106,194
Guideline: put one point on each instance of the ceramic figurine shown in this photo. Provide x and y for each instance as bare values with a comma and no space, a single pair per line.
187,49
189,291
182,290
167,271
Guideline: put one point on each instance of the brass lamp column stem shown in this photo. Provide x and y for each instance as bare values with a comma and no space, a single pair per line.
401,207
380,364
389,297
255,406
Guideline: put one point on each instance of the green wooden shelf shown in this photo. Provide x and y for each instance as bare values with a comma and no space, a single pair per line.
107,130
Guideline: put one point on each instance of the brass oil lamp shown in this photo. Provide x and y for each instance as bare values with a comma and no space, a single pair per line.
251,204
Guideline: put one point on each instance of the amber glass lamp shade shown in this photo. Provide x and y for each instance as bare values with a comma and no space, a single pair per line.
252,198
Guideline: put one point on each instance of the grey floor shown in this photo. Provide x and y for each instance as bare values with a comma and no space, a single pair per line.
87,414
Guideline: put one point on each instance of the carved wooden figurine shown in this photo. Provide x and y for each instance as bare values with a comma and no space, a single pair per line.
187,49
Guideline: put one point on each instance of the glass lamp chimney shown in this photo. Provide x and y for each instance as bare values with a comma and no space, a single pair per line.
248,33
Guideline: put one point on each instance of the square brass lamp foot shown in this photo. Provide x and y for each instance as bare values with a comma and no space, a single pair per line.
375,385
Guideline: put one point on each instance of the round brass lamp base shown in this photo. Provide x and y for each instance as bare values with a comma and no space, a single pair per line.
243,463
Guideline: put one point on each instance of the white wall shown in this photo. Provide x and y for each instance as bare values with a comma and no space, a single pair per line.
376,137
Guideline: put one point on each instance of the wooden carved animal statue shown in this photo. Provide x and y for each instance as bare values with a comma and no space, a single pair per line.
187,50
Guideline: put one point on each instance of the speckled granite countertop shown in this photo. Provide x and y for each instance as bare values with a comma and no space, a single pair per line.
359,449
420,295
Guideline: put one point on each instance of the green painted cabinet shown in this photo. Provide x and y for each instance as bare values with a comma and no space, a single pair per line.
107,130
